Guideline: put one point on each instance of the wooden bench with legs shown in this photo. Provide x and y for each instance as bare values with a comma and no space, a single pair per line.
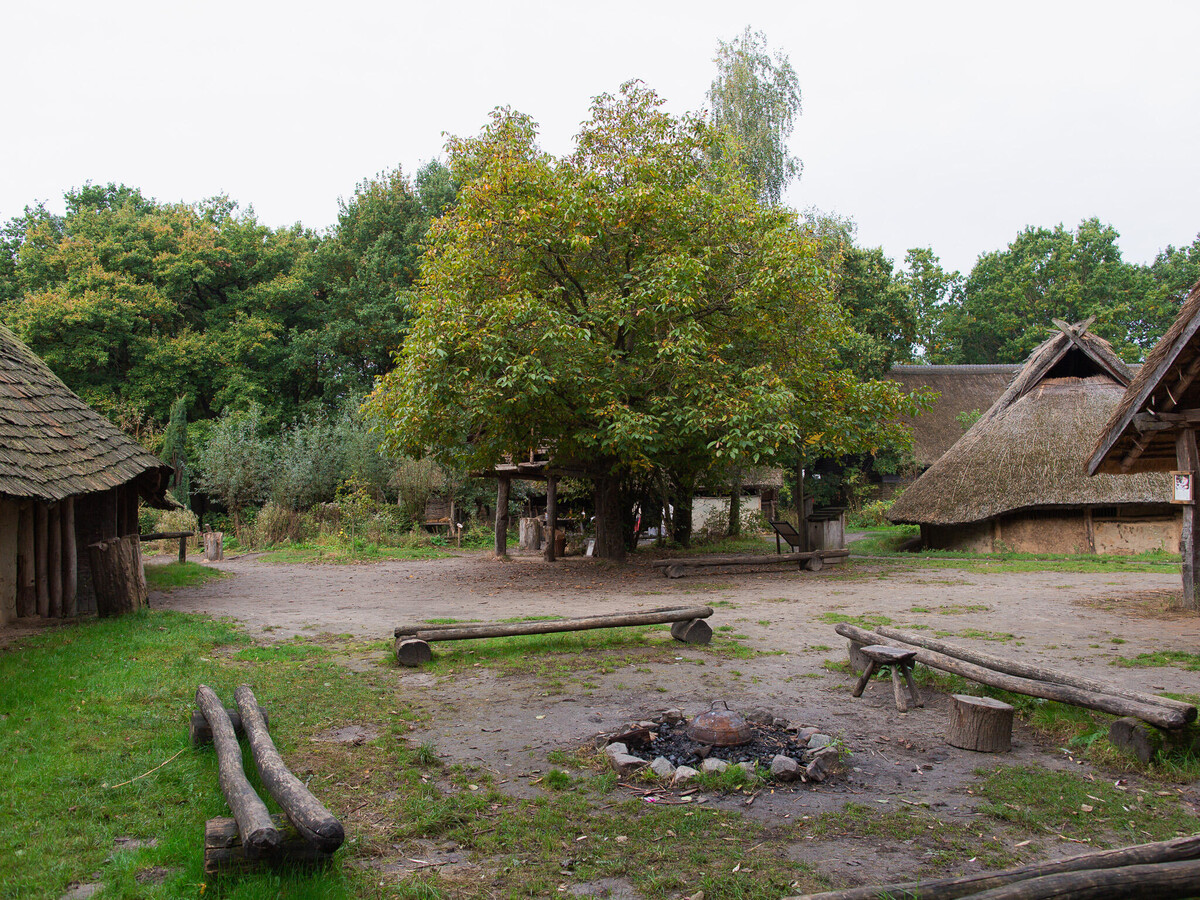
901,663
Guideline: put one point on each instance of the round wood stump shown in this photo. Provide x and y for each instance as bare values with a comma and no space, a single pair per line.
692,631
412,651
979,723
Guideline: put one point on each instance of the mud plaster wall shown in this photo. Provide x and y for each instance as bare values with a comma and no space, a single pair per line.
1065,532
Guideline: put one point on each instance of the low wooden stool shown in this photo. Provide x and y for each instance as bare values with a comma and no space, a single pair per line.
900,661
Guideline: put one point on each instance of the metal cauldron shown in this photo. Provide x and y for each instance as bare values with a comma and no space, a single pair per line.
720,727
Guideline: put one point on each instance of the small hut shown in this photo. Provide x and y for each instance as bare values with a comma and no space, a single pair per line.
1153,429
69,479
1016,479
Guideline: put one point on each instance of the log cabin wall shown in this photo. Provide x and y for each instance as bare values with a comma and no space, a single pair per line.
37,559
96,519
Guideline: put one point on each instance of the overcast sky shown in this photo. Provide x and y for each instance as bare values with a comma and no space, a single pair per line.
950,125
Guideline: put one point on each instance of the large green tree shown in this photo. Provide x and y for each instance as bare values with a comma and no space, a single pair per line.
632,307
755,99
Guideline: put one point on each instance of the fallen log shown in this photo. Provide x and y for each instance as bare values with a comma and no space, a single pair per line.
259,835
1039,673
312,819
809,559
1118,706
1184,848
200,733
468,631
224,853
1162,881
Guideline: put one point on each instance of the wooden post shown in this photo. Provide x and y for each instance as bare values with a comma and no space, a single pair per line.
54,560
214,545
1187,460
10,516
41,521
26,569
551,517
502,485
801,518
117,575
70,559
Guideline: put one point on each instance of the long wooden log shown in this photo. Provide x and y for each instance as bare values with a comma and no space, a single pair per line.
1177,849
70,561
225,855
1118,706
773,559
200,733
1039,673
54,560
41,550
551,626
258,833
1162,881
165,535
311,818
26,564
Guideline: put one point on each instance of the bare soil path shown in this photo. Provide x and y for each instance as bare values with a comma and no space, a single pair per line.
509,723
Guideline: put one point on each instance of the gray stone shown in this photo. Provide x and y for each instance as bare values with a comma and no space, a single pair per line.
663,768
822,765
77,891
817,741
671,716
684,775
779,723
713,765
624,763
804,732
616,748
760,715
750,769
784,768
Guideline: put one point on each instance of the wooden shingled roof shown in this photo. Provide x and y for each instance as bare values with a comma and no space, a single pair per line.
1140,435
53,445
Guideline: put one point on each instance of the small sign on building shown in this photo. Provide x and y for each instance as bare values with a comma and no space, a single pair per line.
1183,487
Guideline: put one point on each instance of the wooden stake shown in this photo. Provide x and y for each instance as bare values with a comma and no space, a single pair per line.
1188,460
54,560
70,559
41,519
551,517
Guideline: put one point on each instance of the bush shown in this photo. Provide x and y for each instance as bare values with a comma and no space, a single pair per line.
873,514
153,520
276,524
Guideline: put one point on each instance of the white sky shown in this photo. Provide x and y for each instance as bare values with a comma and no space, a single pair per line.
951,125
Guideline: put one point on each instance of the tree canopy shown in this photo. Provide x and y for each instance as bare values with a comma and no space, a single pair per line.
630,306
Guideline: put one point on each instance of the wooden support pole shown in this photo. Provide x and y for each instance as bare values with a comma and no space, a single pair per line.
502,486
1161,716
311,818
26,564
41,519
1175,850
551,517
10,517
70,559
54,560
1188,460
258,833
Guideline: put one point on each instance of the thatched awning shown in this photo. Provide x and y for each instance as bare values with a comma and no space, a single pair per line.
53,445
961,389
1029,449
1167,382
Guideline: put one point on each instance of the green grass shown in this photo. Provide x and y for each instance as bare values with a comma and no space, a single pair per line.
93,731
867,620
1161,658
887,542
168,576
341,553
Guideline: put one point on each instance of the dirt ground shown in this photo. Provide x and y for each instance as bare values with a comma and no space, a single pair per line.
509,724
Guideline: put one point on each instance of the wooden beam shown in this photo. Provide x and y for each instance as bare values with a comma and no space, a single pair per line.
1188,460
502,486
551,517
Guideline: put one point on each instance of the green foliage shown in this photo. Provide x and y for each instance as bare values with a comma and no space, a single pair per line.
932,294
1178,658
238,462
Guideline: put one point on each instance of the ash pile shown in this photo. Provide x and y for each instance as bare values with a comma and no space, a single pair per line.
677,749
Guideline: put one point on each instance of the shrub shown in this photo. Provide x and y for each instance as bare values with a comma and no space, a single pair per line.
276,524
237,463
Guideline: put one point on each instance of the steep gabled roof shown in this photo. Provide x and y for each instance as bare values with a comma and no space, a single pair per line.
1028,449
960,389
1167,381
52,444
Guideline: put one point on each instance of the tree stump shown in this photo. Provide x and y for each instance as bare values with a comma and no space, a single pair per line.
214,545
979,723
117,575
530,534
814,564
411,651
1142,740
692,631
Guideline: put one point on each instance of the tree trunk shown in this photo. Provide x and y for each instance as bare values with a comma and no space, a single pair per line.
117,575
306,812
502,486
214,545
610,541
735,504
551,550
253,821
979,723
683,518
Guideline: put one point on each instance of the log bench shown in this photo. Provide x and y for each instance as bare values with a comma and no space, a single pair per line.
171,535
812,560
900,662
412,641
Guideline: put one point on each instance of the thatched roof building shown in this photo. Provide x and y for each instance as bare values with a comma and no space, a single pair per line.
68,478
1017,478
961,390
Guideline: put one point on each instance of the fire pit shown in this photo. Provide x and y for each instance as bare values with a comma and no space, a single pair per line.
677,749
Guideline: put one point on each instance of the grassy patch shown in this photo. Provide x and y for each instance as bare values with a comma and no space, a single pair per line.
343,553
867,620
1161,658
1002,637
1083,808
168,576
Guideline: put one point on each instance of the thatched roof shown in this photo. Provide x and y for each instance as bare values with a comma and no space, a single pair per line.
53,445
1028,450
961,389
1139,436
